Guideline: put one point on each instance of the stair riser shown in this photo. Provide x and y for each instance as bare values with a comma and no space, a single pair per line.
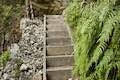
60,61
55,17
57,33
50,21
54,51
59,75
58,41
55,27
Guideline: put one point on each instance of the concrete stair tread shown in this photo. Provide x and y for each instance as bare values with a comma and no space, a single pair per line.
59,50
54,16
59,56
60,60
58,40
49,28
58,21
57,33
56,26
59,73
57,37
69,45
60,68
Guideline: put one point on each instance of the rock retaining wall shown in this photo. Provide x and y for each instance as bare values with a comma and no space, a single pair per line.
27,55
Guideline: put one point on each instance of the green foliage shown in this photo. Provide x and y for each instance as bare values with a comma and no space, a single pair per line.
4,58
96,27
10,14
13,2
17,68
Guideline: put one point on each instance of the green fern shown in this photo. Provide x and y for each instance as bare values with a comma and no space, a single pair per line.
96,27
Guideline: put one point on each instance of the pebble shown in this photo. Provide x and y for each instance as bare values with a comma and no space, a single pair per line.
5,76
23,67
0,74
37,76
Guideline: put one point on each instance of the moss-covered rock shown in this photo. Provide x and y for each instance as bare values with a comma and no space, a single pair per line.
4,57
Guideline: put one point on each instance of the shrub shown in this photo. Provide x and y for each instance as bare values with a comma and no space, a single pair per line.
96,27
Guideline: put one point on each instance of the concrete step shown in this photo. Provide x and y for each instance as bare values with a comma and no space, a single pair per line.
56,26
61,41
58,21
54,17
62,60
59,73
57,33
59,50
59,59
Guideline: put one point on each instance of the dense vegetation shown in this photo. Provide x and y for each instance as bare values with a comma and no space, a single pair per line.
10,14
96,28
53,7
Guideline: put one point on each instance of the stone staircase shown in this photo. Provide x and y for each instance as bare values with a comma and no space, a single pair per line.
59,47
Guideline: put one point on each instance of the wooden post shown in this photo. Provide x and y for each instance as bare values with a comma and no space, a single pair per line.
31,10
27,8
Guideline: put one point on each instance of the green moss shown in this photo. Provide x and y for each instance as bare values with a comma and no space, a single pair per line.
4,58
17,68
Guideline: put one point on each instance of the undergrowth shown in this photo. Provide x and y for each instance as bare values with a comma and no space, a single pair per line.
4,58
96,29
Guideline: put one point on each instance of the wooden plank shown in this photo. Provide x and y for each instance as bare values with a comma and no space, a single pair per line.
31,10
27,8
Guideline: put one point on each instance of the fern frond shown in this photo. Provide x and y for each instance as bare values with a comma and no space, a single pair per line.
97,38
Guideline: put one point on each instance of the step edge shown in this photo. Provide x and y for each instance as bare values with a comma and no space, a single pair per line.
56,25
61,68
58,38
57,31
53,15
69,45
60,56
54,37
